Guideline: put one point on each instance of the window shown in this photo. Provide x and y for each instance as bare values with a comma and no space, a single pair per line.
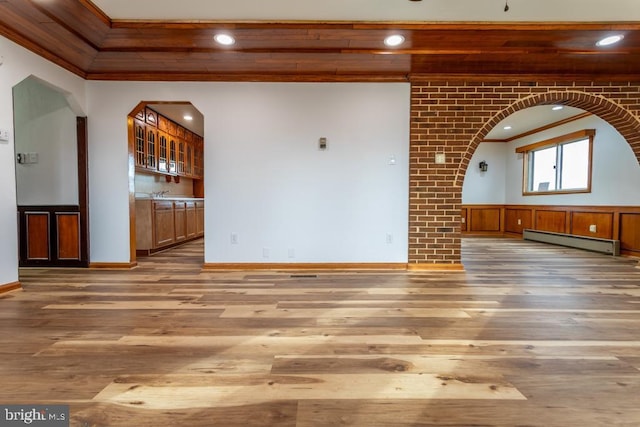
558,165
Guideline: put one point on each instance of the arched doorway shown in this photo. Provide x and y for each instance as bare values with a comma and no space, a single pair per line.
51,176
619,117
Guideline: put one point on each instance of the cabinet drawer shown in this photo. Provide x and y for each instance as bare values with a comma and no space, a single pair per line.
162,205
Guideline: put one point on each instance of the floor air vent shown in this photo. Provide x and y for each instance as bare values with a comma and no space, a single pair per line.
607,246
304,276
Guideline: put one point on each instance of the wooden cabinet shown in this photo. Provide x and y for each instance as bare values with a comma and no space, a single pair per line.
139,141
145,142
165,147
180,221
181,157
173,156
163,223
190,216
188,162
199,218
198,158
163,152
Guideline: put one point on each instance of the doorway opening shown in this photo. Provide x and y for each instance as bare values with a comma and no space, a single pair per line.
166,176
51,176
497,202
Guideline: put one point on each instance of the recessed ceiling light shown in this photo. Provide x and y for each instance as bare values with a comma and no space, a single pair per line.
557,107
394,40
224,39
188,117
610,40
507,127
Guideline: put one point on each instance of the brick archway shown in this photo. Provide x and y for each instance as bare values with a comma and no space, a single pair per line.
449,118
617,116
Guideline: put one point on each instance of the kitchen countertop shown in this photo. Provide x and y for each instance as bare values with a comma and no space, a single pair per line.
169,198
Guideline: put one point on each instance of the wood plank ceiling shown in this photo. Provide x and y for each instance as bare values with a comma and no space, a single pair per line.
81,38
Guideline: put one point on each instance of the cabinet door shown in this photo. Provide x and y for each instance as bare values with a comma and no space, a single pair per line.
181,157
188,162
163,152
173,156
151,148
200,218
198,159
191,220
139,142
180,217
163,224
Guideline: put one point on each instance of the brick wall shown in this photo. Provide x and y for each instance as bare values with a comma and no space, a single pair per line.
452,117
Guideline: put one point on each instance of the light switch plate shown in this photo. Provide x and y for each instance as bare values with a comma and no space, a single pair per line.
4,135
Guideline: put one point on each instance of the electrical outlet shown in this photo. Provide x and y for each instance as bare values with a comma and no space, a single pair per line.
593,228
234,238
4,135
464,220
519,221
265,252
389,238
292,253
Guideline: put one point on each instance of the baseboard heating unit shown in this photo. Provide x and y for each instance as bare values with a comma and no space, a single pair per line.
607,246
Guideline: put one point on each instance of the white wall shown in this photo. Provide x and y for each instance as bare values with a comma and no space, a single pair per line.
486,187
265,179
18,64
615,170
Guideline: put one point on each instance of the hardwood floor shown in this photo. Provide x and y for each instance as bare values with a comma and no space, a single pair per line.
528,335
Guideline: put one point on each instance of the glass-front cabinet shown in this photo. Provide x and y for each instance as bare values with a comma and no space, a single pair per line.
163,160
163,146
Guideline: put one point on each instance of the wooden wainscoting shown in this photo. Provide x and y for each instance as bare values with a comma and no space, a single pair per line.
51,236
606,222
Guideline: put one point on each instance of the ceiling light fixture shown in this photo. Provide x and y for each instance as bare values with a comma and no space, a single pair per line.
224,39
507,127
188,117
557,107
610,40
394,40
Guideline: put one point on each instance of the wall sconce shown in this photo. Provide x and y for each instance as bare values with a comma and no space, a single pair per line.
484,166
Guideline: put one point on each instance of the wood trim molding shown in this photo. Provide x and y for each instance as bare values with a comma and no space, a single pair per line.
435,267
558,139
83,188
305,266
113,265
8,287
